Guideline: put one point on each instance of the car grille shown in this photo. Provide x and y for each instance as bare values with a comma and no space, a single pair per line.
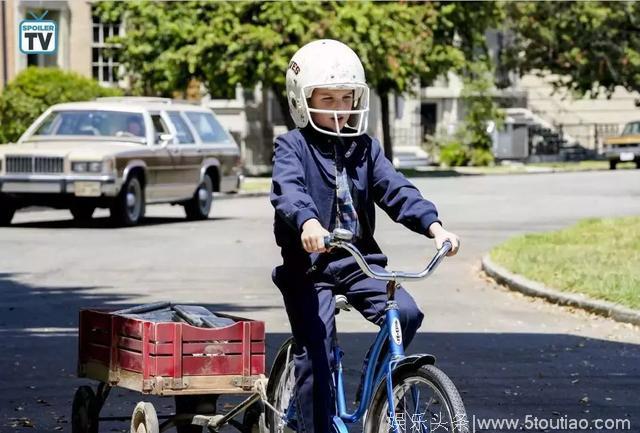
34,164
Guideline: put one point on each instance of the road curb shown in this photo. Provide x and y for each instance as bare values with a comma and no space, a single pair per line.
528,287
229,196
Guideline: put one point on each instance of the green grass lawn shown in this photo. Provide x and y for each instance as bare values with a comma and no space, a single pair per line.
597,257
515,168
555,166
582,165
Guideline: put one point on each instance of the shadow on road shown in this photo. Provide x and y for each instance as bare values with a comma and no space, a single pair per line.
500,375
106,223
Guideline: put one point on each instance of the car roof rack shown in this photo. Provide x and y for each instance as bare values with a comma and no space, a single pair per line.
135,99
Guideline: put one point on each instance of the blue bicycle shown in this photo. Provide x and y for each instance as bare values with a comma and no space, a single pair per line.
403,393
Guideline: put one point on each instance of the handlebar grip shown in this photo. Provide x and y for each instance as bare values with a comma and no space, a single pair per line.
338,235
447,245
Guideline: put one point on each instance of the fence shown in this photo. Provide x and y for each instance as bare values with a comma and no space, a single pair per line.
588,135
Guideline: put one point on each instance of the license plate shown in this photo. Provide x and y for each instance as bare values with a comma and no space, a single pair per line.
87,189
627,156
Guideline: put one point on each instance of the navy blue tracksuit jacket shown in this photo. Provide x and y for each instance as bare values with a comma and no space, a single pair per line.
304,187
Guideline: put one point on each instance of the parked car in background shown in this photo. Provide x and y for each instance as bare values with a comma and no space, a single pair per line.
625,147
410,157
120,153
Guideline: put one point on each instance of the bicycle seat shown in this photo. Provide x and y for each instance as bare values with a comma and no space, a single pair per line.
342,303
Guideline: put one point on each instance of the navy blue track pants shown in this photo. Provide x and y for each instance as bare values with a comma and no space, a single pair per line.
310,305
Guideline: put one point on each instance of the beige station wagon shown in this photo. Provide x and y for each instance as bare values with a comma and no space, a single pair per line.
119,153
625,147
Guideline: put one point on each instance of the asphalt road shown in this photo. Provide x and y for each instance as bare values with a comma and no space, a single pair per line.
510,356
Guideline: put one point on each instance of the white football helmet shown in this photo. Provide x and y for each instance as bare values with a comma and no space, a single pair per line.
328,64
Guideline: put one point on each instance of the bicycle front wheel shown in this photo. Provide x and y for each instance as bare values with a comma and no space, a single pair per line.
424,400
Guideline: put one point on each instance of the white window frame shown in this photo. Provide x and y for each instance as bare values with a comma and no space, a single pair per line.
100,45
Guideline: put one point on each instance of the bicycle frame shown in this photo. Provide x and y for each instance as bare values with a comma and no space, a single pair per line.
391,332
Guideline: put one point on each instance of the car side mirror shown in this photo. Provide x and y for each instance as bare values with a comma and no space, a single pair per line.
166,139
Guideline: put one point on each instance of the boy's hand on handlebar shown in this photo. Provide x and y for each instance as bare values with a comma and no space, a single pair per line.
313,235
441,235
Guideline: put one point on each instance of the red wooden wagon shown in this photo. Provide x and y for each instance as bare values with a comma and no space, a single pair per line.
166,358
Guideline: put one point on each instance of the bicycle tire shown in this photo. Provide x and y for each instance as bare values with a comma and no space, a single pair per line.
280,373
435,378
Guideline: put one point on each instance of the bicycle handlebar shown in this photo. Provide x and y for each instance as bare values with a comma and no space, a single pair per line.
341,238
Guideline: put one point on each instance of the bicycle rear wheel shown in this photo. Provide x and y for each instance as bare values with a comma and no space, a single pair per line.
425,399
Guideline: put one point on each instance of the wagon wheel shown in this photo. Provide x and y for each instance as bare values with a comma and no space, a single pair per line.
254,419
84,411
144,419
194,405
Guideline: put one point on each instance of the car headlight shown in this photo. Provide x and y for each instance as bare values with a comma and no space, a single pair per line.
95,167
87,167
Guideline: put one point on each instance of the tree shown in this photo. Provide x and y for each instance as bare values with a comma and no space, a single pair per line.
588,47
36,89
221,44
224,44
395,42
471,143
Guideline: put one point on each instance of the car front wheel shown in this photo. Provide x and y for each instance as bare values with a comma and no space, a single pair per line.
6,214
7,210
129,206
199,206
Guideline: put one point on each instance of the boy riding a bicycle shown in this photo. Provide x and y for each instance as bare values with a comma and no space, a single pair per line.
328,173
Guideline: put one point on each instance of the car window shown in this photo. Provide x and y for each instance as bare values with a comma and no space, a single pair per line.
207,127
160,126
184,135
631,128
92,122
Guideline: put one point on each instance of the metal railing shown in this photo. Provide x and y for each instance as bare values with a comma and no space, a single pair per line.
589,135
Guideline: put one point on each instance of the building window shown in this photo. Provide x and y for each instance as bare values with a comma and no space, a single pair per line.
104,61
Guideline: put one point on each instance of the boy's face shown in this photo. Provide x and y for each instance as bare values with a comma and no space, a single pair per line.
331,99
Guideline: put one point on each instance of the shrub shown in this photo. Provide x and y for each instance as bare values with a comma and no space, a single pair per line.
454,154
36,89
480,157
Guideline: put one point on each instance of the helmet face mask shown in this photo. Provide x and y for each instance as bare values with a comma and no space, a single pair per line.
327,64
357,121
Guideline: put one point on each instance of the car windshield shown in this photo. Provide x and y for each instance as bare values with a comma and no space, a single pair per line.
93,122
631,128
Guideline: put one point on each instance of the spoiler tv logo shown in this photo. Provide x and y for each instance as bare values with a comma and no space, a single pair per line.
38,36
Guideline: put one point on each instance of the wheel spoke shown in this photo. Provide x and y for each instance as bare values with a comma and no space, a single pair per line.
415,395
417,419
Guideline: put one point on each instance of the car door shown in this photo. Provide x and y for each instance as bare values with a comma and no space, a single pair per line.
188,167
217,144
164,180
